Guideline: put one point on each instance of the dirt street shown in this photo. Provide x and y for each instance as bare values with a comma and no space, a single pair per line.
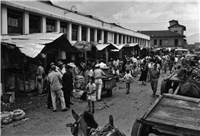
125,108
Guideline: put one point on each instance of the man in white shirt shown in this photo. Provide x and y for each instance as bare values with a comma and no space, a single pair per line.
102,65
54,79
98,73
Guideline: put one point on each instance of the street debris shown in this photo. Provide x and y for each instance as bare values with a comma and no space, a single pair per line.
104,105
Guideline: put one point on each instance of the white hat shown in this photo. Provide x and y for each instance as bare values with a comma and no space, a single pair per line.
97,65
71,64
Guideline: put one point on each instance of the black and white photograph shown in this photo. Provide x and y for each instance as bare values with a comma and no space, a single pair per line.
100,68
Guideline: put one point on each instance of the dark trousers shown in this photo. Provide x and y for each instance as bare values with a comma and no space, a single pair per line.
49,100
67,98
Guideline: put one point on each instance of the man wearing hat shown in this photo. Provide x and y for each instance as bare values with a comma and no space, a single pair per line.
98,73
67,80
54,79
61,67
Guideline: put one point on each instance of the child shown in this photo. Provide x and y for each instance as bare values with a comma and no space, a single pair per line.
91,94
128,79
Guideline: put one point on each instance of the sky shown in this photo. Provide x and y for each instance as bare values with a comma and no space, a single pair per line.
141,14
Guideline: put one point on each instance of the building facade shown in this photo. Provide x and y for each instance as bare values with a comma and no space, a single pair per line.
27,17
173,38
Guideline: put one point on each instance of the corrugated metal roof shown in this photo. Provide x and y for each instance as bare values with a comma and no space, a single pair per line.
32,44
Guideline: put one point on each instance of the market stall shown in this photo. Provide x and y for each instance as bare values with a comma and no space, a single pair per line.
21,53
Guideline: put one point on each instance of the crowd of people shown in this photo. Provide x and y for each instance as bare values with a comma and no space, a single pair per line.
62,78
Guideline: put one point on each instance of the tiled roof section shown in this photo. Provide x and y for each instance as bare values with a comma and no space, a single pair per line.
162,33
184,28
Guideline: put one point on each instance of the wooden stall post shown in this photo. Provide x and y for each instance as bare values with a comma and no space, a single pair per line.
23,74
3,77
106,50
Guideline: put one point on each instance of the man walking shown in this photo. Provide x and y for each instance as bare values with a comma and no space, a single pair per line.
54,79
154,76
67,85
98,73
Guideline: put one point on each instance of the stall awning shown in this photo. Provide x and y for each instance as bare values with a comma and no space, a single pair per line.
103,46
131,45
120,46
32,44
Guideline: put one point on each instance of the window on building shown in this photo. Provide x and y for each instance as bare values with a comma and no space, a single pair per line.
155,42
84,33
176,31
123,38
98,35
74,32
120,38
63,28
105,37
50,25
115,38
34,23
176,42
14,21
160,42
91,35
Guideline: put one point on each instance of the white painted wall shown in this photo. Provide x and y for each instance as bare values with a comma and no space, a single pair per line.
59,13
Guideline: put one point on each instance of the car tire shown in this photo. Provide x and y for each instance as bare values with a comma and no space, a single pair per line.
138,129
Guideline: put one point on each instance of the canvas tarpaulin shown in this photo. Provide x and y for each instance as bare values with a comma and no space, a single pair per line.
32,44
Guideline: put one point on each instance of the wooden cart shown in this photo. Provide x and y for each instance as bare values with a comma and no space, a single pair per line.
170,115
108,84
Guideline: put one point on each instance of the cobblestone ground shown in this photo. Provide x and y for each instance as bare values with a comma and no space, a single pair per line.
125,108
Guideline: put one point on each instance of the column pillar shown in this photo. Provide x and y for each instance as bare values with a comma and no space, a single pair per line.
122,39
4,20
69,32
58,26
88,34
102,36
25,23
95,35
125,39
113,37
43,24
117,40
79,33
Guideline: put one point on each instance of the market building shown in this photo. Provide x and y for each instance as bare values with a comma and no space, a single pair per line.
24,17
172,38
29,27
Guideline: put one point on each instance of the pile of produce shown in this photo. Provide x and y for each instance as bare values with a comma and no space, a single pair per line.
8,117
